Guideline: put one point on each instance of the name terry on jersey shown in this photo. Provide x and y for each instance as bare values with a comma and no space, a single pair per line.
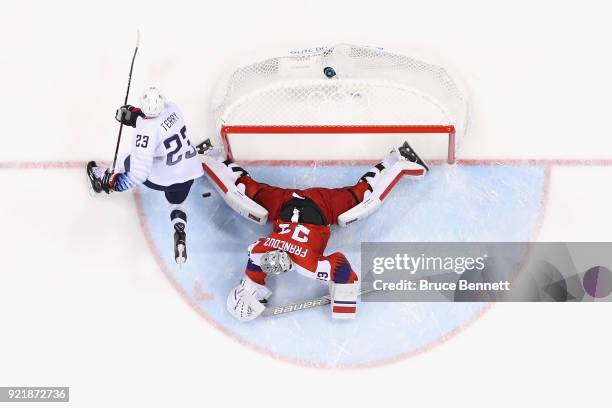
286,246
169,121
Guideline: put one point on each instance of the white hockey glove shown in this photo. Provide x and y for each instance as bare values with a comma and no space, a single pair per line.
244,302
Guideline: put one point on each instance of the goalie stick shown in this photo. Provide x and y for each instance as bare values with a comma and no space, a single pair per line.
307,304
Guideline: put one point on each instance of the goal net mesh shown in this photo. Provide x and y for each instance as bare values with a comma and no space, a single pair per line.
371,87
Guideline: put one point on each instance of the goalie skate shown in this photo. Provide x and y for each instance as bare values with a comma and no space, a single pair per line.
409,154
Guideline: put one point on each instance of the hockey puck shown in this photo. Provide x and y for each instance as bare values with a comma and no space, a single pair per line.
206,195
329,72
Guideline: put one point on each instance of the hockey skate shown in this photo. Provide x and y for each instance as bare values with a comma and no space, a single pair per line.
409,154
180,243
95,174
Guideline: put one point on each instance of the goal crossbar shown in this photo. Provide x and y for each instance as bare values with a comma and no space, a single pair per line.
341,129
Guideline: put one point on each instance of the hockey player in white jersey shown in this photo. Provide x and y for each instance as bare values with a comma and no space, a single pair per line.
161,157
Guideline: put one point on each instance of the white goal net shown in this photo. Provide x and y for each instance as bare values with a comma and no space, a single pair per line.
287,109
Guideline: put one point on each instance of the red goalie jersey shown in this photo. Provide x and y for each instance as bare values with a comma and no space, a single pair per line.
305,244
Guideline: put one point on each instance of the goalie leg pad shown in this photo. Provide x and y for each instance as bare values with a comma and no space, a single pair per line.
385,181
224,180
344,300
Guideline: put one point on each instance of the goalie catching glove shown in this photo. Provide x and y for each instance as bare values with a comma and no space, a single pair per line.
245,301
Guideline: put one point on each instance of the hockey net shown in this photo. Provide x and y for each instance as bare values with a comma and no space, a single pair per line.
286,110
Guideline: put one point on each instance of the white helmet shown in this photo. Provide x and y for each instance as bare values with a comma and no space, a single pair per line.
152,102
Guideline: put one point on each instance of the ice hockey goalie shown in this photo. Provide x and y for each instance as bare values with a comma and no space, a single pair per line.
301,227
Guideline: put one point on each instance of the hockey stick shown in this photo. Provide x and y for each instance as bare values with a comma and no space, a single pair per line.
307,304
127,93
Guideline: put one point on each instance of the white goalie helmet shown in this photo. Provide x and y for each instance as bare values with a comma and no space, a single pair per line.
152,102
275,262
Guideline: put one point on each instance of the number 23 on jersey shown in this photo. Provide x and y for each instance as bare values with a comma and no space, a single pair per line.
173,156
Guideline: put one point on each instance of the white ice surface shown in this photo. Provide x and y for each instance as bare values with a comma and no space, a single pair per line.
82,301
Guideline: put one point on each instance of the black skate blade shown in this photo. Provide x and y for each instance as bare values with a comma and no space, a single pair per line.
408,152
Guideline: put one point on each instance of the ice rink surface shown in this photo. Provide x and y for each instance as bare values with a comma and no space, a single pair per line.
501,203
89,299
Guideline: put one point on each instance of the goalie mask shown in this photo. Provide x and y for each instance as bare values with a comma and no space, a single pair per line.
275,262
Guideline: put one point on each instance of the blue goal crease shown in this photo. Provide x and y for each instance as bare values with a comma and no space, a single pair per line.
459,203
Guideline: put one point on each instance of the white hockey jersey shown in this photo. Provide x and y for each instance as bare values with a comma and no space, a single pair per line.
161,153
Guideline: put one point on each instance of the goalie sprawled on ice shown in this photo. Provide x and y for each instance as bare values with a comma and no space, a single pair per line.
301,227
